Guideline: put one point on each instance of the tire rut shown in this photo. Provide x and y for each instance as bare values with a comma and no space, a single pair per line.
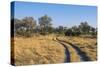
67,52
83,56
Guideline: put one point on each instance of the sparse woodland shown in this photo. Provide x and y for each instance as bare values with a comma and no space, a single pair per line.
28,26
38,42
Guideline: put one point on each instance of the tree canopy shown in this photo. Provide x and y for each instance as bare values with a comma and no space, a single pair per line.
28,26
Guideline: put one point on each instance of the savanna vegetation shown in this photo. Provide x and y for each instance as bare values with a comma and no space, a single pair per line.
40,43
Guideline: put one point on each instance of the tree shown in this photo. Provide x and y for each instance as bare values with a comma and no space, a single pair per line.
14,25
60,29
29,22
75,31
75,28
45,24
68,32
84,27
26,26
93,31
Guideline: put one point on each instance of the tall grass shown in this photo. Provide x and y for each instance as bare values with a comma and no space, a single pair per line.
37,50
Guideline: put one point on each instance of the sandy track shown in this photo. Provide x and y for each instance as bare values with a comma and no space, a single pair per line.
73,53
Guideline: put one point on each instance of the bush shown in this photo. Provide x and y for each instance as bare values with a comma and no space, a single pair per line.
69,32
24,32
25,26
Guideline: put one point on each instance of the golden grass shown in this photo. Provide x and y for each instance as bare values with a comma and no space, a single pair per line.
37,50
46,50
88,45
74,57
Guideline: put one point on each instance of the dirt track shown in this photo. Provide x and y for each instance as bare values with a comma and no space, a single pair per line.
73,53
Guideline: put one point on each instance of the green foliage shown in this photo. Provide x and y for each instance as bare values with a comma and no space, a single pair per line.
84,27
45,24
27,27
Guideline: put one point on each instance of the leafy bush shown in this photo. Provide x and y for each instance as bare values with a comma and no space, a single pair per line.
25,27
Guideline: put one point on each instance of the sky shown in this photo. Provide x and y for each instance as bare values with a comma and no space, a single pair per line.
61,14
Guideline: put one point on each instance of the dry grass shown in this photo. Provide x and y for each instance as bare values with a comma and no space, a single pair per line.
74,57
37,50
88,45
46,50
